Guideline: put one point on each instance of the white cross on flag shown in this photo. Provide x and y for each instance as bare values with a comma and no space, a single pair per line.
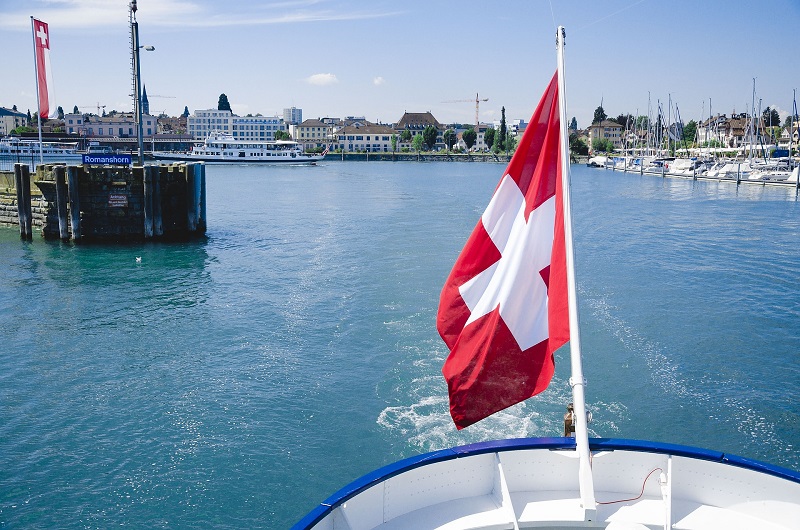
44,74
504,310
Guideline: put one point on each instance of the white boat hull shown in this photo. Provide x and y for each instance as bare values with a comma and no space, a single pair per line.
531,483
238,160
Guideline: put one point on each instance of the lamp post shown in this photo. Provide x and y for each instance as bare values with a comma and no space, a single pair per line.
137,84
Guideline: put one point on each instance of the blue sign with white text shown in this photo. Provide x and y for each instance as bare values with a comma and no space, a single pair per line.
107,160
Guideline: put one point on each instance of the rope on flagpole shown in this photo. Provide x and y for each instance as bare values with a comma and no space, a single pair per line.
585,479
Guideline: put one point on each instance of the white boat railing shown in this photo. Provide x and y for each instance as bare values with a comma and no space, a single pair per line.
532,482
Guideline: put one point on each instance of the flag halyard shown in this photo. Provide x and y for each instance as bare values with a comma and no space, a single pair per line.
504,309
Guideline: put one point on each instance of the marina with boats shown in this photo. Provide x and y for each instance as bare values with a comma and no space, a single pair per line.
780,171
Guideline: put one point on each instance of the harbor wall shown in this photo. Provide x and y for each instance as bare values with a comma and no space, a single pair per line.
419,157
105,203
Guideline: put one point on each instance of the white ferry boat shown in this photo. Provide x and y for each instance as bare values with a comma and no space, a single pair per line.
225,148
575,482
16,150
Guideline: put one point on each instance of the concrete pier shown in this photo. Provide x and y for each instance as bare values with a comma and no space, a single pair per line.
106,203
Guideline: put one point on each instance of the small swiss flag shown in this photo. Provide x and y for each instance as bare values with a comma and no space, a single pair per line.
503,310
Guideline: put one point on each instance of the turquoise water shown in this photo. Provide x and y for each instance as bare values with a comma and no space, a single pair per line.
239,380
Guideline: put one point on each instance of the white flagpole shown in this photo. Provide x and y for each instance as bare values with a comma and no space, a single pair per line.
38,103
577,381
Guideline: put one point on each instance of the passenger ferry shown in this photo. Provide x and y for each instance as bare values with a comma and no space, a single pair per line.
16,150
220,147
571,482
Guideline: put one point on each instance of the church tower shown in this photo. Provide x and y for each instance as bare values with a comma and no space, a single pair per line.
145,103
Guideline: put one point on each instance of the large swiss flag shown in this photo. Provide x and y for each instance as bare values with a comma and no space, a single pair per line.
503,310
44,72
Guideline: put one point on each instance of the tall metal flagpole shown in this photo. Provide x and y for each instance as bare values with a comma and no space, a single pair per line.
577,381
137,84
38,102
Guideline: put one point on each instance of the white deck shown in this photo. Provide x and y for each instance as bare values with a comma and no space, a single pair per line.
536,488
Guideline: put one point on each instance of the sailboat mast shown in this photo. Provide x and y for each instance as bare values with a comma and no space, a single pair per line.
577,381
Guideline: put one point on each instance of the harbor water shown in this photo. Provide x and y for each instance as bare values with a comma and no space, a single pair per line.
237,381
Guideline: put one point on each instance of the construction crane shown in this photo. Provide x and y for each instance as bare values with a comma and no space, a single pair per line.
98,105
477,102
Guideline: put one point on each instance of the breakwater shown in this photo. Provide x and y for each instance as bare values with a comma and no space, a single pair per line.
419,157
105,203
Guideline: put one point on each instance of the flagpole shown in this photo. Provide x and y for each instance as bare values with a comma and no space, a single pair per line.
577,381
38,102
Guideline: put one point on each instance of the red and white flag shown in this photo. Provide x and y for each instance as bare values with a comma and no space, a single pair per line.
504,308
44,74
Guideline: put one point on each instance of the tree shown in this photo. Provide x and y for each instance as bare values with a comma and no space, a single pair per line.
75,110
500,141
429,135
60,113
511,143
185,112
449,138
282,135
30,118
771,117
689,132
405,137
599,115
417,142
788,121
14,108
573,124
577,146
223,103
394,143
625,120
470,137
488,138
602,145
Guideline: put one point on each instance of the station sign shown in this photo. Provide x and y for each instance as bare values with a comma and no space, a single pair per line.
107,160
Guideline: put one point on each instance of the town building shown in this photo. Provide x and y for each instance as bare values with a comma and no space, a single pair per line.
364,138
10,120
608,130
480,138
415,123
171,124
788,139
293,115
120,124
257,128
312,133
727,132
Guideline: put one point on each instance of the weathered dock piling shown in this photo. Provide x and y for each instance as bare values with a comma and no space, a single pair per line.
61,201
22,181
108,203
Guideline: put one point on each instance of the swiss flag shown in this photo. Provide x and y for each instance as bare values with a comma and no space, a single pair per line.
44,72
503,310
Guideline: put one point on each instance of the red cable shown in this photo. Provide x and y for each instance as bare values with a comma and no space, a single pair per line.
640,493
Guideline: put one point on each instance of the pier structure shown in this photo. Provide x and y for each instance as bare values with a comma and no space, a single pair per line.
105,203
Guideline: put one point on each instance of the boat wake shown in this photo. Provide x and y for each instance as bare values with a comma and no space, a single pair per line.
712,401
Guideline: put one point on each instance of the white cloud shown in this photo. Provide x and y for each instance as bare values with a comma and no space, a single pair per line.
322,79
176,13
378,81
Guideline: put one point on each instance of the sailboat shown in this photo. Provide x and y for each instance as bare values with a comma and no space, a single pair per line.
564,482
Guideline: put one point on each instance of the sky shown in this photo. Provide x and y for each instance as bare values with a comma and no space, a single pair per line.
381,58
